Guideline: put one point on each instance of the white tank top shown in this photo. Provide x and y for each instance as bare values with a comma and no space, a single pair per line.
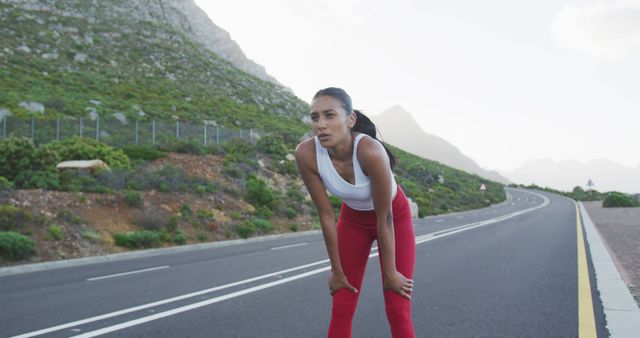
357,196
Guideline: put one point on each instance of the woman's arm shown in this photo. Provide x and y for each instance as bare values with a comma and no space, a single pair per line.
306,161
375,163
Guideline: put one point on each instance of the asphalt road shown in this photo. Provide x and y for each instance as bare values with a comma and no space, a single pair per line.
509,270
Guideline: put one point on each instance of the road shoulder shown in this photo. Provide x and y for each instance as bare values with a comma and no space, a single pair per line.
620,308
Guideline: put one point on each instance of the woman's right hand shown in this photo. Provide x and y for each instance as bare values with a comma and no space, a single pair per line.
339,281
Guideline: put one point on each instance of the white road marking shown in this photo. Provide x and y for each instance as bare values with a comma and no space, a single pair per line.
289,246
419,239
439,220
127,273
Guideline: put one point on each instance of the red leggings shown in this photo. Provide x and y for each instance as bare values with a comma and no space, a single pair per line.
356,232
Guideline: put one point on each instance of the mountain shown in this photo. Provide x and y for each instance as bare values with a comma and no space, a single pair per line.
398,127
138,58
565,175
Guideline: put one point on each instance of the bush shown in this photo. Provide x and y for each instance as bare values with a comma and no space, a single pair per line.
619,200
245,229
273,146
180,237
263,225
290,213
12,218
172,223
138,239
133,198
202,237
28,166
263,212
239,147
82,148
139,153
293,227
55,232
258,193
15,247
5,184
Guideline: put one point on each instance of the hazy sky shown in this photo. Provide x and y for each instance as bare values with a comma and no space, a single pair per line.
504,81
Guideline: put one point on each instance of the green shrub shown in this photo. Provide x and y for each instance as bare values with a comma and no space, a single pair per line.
138,239
202,237
273,146
82,148
140,153
335,202
186,211
133,198
12,218
239,147
180,237
28,166
293,227
262,225
172,223
290,213
263,212
258,193
5,184
55,232
15,247
245,229
619,200
192,148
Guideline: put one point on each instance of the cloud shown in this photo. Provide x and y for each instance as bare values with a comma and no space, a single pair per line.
605,29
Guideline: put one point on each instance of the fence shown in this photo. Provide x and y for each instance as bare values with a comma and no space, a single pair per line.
120,132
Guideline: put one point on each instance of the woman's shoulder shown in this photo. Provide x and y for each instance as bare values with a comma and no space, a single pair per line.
305,149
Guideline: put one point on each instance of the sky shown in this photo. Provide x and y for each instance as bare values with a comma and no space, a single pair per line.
505,81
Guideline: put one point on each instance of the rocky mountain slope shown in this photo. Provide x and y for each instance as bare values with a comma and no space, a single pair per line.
140,58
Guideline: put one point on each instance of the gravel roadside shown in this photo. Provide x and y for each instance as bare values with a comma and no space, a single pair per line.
620,230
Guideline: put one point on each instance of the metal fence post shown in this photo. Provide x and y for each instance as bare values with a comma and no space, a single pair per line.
205,133
136,132
33,129
217,135
177,129
153,131
58,128
98,128
81,125
251,134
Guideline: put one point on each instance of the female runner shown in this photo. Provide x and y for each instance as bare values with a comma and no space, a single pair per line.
346,158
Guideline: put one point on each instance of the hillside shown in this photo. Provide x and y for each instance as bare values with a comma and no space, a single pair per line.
399,128
128,57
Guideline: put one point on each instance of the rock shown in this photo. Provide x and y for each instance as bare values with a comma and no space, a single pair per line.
290,157
90,166
165,207
80,57
24,49
35,107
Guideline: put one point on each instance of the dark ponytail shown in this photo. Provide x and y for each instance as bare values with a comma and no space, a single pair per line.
363,123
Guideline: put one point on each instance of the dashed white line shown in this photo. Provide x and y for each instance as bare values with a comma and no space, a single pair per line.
439,220
289,246
127,273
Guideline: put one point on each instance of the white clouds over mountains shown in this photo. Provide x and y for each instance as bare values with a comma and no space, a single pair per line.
608,30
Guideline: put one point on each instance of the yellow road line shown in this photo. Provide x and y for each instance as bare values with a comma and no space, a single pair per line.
586,318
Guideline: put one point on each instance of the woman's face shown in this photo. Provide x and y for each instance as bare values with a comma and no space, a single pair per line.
330,121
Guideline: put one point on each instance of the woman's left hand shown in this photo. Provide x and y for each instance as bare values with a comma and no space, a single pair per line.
398,283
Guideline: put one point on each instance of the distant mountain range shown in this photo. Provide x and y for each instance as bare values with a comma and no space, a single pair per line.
400,129
606,175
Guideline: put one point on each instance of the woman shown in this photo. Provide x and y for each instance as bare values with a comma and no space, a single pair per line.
345,157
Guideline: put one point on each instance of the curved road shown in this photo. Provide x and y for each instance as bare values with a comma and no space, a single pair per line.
509,270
